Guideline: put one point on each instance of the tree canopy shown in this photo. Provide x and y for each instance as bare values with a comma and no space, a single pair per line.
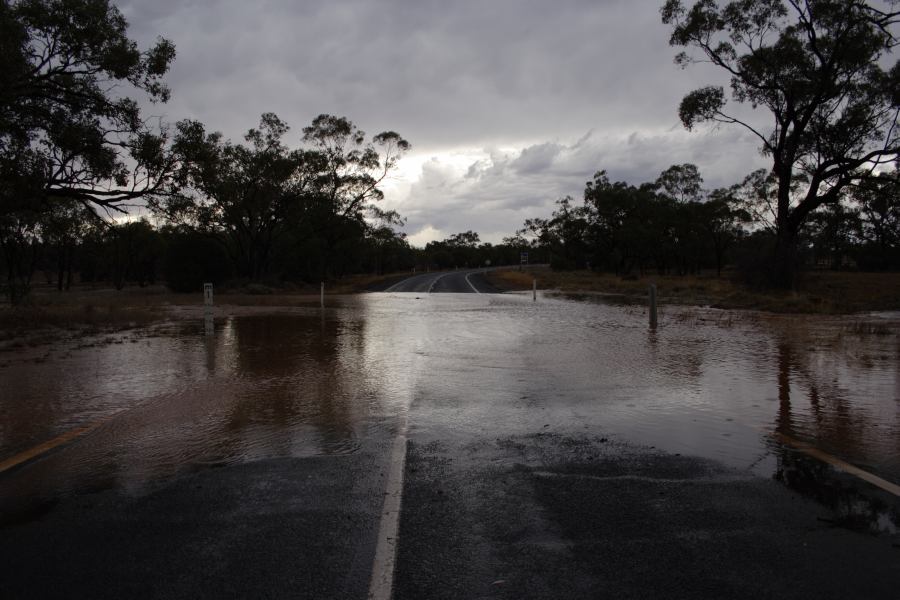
258,192
819,68
67,129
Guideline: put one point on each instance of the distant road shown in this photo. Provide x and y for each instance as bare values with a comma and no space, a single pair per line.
469,281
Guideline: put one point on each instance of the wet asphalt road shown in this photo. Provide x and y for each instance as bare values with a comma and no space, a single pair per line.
549,516
277,528
537,516
509,492
468,281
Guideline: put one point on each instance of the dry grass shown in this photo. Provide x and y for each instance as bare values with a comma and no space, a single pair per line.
817,292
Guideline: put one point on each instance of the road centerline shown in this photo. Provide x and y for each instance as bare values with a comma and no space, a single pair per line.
474,289
434,283
382,583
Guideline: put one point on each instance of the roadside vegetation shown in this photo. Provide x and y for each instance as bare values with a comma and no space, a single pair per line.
819,292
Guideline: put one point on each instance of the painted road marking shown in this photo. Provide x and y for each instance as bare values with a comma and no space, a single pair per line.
382,584
836,462
49,445
391,289
474,289
436,279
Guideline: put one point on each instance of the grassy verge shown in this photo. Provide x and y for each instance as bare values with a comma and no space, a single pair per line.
821,292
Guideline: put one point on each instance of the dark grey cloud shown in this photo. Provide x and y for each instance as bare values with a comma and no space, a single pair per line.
514,85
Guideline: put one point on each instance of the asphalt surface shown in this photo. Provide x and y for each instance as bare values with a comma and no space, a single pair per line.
277,528
548,516
467,281
536,516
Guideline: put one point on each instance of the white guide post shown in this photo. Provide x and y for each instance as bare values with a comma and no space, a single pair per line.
208,326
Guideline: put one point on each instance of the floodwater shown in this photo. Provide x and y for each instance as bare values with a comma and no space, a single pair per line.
265,383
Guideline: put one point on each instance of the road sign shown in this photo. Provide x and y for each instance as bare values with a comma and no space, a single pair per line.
523,258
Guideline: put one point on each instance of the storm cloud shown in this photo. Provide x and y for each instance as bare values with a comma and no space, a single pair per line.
509,104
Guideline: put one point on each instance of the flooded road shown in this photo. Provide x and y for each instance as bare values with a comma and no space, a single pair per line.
298,382
281,420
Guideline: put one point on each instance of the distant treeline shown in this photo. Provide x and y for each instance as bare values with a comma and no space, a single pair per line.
673,226
79,249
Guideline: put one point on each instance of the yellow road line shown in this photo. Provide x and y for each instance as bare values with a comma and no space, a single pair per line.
836,462
40,449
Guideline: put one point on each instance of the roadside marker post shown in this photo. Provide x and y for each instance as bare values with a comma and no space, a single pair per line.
652,306
534,290
322,295
208,325
208,295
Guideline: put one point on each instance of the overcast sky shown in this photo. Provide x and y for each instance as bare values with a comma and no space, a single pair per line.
508,104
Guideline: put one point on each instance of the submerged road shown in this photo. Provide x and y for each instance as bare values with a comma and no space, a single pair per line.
443,446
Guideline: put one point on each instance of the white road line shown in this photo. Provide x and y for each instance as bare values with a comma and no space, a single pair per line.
419,276
474,289
381,585
436,279
391,289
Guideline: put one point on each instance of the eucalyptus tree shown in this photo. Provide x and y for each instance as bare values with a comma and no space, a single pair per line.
681,183
244,193
721,217
66,119
878,202
258,193
64,228
21,250
347,169
819,67
70,134
627,226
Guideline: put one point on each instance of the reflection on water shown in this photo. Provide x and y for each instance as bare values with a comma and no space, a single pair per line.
304,381
814,405
855,505
259,386
838,388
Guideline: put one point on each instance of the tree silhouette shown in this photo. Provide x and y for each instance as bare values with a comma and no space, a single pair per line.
816,67
63,121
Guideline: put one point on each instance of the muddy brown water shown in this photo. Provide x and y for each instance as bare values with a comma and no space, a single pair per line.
304,381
